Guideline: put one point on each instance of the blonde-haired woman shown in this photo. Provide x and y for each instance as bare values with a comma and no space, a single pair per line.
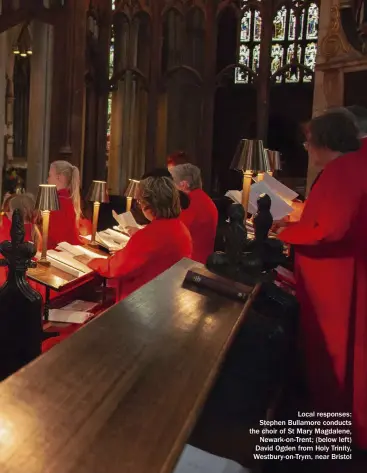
64,222
25,203
155,248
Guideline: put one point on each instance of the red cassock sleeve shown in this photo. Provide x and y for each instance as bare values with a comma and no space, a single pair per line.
335,208
127,261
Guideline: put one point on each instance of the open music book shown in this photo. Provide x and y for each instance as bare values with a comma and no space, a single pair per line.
110,239
77,250
194,460
66,262
125,220
279,207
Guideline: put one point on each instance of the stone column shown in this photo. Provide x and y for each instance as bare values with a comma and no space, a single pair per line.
3,61
40,105
322,85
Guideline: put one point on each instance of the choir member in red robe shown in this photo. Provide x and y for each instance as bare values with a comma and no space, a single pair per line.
201,217
155,248
331,271
64,222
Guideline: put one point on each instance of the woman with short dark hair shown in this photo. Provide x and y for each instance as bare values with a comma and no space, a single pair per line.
331,271
156,247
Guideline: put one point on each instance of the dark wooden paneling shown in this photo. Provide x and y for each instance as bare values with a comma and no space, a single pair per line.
355,88
122,394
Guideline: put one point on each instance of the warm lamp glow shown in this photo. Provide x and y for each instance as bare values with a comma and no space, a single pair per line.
98,194
47,201
250,157
131,193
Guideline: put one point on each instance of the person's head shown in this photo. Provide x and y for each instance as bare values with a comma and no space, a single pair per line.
177,158
159,198
64,175
26,204
164,172
360,115
331,135
187,177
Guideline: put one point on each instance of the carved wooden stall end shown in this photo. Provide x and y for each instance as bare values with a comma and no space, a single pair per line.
21,306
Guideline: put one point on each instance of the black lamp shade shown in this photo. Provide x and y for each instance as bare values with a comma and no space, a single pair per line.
47,198
132,189
250,155
274,159
98,192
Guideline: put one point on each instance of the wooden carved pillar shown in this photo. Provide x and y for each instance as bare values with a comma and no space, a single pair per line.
67,122
153,99
205,155
263,81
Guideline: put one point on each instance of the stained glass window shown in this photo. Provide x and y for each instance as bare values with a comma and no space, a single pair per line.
249,48
110,71
277,54
280,25
312,21
256,57
246,27
295,28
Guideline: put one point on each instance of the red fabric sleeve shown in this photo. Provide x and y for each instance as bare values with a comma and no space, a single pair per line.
126,261
334,207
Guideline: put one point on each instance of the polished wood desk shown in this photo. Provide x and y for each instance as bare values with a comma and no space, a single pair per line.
54,279
123,394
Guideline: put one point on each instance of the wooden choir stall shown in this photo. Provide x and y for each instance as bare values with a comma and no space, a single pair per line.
125,392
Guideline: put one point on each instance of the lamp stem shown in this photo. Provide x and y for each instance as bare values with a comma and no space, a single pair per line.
247,178
96,206
271,173
128,203
45,225
260,176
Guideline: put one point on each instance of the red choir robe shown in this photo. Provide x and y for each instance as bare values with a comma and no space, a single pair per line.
201,218
331,284
63,225
149,252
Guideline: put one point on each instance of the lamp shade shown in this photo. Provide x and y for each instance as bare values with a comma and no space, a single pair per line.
250,155
47,198
274,159
98,192
132,188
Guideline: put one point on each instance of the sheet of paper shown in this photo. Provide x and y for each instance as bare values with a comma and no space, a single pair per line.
69,260
125,220
106,241
78,305
68,316
236,196
194,460
279,208
117,236
77,250
278,188
62,266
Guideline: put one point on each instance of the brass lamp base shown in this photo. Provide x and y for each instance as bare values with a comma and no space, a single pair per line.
44,262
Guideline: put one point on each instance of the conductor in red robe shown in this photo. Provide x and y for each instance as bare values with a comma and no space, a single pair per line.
201,216
155,248
331,270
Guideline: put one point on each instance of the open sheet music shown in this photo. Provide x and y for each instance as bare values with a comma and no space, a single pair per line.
125,220
279,207
194,460
111,239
